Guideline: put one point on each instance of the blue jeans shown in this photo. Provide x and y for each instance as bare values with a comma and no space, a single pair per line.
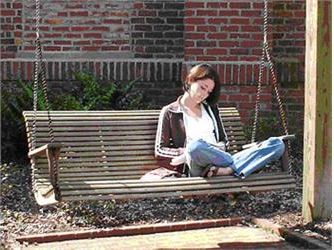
200,155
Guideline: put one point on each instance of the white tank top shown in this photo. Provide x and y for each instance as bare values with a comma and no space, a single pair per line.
199,128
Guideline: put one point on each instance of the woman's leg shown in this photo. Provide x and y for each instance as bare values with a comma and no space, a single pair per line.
200,155
256,157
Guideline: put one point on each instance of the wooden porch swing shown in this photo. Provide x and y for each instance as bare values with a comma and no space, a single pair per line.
101,155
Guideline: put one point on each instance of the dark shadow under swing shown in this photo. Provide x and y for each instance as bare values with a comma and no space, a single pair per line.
101,155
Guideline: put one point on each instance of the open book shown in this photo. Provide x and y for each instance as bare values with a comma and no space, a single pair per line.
178,160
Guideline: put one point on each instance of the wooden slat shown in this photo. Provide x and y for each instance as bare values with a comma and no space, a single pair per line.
176,194
182,181
105,153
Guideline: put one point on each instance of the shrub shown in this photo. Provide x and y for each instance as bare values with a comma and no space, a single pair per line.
92,95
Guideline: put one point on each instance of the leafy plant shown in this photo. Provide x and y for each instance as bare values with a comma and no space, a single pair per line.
90,95
15,98
113,95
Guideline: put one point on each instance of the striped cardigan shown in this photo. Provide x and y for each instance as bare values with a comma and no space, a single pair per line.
171,133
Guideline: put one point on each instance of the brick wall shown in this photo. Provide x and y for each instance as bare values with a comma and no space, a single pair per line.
157,29
75,28
11,28
159,41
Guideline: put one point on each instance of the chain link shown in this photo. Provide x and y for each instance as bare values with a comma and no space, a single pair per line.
258,92
266,55
40,74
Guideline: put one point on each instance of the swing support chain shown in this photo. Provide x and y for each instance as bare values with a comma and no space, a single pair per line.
51,150
266,56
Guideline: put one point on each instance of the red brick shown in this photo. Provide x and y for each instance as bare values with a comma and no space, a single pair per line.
299,14
189,13
112,21
54,21
18,33
228,58
189,43
189,28
119,14
250,58
80,28
17,5
228,44
223,97
230,28
240,35
239,98
217,36
242,74
257,36
195,36
239,51
137,5
206,28
30,35
258,5
206,12
206,43
62,14
91,48
240,21
191,51
52,35
216,5
92,35
250,28
78,13
217,20
251,13
17,20
217,51
62,42
228,13
97,42
61,28
52,48
194,20
147,13
9,27
206,58
250,44
239,5
191,5
7,12
257,21
71,35
101,28
28,48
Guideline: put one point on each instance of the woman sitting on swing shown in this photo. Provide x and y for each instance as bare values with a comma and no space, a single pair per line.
191,138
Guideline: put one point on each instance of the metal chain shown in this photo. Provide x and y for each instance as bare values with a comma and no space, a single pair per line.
40,74
280,106
266,53
258,92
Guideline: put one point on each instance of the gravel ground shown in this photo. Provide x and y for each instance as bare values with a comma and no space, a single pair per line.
20,214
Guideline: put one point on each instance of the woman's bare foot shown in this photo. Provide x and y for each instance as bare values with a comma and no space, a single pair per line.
219,171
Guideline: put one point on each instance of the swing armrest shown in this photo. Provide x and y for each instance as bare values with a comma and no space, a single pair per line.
42,150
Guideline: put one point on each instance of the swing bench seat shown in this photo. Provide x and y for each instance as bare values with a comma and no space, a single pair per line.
101,155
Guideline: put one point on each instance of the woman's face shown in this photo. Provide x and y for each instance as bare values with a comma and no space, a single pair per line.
201,89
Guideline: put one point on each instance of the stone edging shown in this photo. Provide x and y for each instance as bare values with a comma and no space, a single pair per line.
289,235
130,230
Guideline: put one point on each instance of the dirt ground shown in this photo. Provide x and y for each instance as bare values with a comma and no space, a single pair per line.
21,215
